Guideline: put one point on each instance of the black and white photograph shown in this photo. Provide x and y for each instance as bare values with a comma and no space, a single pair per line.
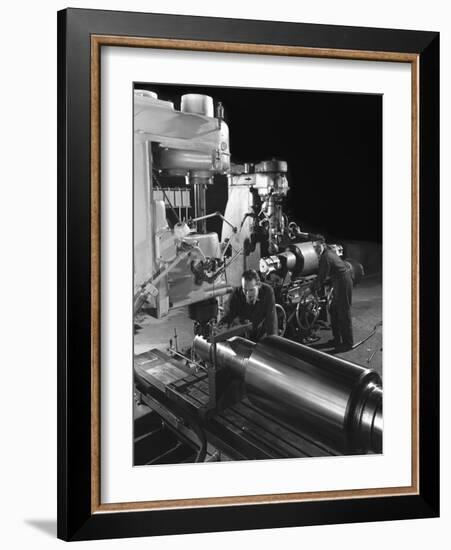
257,268
228,221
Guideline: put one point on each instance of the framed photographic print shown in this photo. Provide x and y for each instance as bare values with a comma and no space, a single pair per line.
248,274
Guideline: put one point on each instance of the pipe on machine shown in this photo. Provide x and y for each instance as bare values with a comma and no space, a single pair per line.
335,401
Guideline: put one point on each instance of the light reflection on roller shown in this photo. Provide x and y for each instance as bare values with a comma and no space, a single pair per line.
335,401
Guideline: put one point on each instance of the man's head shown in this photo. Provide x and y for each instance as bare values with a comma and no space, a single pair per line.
250,283
319,247
337,248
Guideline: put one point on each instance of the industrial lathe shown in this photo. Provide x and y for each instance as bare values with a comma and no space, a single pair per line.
271,399
224,397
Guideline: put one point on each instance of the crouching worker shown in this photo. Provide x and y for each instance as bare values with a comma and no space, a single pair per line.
253,301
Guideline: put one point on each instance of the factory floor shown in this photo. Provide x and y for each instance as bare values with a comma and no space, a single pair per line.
366,314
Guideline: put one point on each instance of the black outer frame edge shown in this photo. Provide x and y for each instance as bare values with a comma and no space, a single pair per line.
61,279
190,27
74,286
75,521
430,273
257,516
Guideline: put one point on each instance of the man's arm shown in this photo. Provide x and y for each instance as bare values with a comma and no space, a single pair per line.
324,268
231,308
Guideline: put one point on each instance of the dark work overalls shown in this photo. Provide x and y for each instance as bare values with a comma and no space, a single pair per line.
331,265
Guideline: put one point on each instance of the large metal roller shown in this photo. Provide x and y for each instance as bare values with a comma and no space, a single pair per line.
335,401
299,258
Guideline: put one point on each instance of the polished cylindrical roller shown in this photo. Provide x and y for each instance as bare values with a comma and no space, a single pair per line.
334,398
307,261
335,401
298,258
232,353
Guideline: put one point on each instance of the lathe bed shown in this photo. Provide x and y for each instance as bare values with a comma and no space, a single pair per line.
235,431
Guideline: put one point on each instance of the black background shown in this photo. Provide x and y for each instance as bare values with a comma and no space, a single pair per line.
331,141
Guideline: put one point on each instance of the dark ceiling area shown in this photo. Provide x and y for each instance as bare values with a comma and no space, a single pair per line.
331,141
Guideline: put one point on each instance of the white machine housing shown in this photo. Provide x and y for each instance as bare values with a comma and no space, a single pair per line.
191,144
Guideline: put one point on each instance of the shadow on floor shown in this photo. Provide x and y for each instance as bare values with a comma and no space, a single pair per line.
47,526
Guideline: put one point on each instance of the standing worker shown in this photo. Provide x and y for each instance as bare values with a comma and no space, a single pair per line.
254,301
333,267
